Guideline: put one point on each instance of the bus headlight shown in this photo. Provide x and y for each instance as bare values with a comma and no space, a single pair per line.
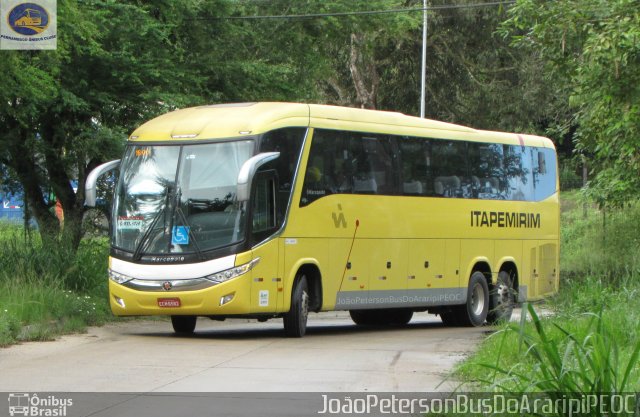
118,277
224,276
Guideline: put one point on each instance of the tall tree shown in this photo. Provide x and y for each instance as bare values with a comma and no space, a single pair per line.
332,56
592,47
64,111
373,60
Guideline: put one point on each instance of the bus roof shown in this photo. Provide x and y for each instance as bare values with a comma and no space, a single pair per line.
239,119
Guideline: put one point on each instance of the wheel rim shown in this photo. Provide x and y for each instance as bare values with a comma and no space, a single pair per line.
504,296
477,300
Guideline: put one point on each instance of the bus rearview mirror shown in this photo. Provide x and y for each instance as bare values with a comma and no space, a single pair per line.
248,170
90,187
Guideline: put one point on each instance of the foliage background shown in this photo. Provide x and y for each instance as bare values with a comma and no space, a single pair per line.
567,70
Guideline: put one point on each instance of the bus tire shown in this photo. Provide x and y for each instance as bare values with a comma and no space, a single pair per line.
399,316
363,317
295,321
474,312
183,325
501,299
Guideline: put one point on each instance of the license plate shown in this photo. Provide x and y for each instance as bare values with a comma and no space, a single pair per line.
168,302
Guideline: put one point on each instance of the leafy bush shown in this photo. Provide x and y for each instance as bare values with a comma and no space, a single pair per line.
573,362
47,292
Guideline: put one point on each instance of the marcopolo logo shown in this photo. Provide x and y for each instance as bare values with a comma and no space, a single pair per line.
28,25
24,404
28,19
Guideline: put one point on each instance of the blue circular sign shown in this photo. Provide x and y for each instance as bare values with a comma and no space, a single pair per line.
28,19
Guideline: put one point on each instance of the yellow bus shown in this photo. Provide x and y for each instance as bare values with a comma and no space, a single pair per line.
269,210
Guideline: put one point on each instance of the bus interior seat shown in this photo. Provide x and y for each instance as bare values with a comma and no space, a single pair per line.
446,186
518,195
366,185
383,186
491,182
413,187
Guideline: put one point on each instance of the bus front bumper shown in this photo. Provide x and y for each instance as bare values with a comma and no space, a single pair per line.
228,298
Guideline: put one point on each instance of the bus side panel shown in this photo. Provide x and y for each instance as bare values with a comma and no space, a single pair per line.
452,278
388,258
529,274
426,264
509,250
347,283
548,273
474,251
297,253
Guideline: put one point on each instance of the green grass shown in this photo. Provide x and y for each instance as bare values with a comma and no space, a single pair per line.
44,293
591,340
601,244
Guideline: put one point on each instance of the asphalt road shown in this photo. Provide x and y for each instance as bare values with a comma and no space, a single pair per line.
242,356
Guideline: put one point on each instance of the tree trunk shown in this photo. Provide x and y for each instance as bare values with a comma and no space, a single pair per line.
72,203
32,170
26,168
363,72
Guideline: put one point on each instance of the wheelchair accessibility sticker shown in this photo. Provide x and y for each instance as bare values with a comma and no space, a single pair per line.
180,235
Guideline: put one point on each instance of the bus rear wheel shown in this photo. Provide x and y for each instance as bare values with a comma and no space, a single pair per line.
295,321
474,312
502,299
183,325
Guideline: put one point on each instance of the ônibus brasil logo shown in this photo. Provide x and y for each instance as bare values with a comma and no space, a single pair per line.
28,19
24,404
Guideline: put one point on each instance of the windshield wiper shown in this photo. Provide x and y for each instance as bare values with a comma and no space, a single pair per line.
137,253
183,218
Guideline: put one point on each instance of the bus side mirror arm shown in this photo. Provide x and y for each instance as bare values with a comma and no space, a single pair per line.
248,170
90,189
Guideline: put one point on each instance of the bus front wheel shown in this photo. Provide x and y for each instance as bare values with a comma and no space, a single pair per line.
183,325
474,312
295,321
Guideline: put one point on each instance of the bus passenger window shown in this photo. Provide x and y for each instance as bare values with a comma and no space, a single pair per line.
447,186
544,173
375,166
342,178
487,172
415,160
364,181
450,169
316,184
518,170
318,180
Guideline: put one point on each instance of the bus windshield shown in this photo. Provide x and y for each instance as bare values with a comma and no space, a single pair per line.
179,198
